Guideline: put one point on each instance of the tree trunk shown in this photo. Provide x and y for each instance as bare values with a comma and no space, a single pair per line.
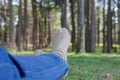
73,25
25,26
41,26
93,28
104,28
87,30
81,26
119,24
98,30
5,26
49,26
11,27
114,40
35,24
19,29
64,8
109,28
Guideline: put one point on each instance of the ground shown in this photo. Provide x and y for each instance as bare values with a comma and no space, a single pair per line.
89,66
94,67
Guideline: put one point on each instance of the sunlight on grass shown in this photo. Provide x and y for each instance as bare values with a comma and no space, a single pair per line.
89,66
94,54
13,52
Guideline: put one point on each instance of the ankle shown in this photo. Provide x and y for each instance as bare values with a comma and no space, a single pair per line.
61,54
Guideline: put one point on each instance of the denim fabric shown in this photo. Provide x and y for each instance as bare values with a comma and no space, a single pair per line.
8,72
4,56
43,67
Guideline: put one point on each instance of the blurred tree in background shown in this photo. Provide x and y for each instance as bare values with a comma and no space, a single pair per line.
29,24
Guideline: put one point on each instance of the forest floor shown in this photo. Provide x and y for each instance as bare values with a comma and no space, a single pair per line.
94,67
89,66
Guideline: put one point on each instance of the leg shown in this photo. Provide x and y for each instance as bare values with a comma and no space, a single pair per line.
46,66
4,56
42,67
8,72
7,68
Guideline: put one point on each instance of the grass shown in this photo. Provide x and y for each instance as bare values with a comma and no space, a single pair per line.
94,67
89,66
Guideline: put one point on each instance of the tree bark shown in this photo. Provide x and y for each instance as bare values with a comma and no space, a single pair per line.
35,24
64,9
119,24
104,28
87,30
11,27
5,37
81,25
25,25
19,29
93,28
73,25
109,28
98,31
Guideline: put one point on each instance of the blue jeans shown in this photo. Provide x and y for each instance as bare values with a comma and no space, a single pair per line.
42,67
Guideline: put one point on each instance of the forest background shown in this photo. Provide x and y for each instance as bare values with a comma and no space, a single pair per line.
94,25
28,25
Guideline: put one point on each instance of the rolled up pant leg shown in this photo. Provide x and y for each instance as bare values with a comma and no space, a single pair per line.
43,67
4,56
8,71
